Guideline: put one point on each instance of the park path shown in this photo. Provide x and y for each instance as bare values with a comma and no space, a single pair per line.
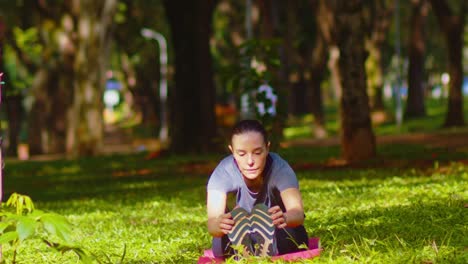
456,140
118,141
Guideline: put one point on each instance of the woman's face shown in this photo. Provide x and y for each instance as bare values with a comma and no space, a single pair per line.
250,151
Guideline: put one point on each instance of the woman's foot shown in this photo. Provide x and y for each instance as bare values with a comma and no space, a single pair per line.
240,234
263,231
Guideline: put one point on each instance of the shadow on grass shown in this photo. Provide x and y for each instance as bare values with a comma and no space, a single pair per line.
122,177
125,180
141,191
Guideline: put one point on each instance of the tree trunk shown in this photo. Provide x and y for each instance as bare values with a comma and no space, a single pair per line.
67,113
333,67
47,117
452,27
315,98
270,11
14,112
267,27
146,99
193,97
85,122
415,106
296,87
12,103
375,81
380,24
357,137
377,99
325,19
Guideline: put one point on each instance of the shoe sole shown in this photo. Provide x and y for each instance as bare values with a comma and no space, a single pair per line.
240,234
263,231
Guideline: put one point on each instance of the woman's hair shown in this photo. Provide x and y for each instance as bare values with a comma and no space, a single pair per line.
249,125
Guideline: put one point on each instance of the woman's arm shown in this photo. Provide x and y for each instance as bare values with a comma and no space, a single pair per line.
219,223
294,215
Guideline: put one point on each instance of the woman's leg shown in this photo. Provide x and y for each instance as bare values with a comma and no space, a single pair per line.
289,239
221,247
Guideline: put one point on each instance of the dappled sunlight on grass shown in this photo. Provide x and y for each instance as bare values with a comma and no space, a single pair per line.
402,216
50,170
301,127
298,131
406,206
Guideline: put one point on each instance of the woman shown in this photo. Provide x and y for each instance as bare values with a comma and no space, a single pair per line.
253,176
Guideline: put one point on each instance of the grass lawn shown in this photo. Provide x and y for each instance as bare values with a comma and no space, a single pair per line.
407,207
299,127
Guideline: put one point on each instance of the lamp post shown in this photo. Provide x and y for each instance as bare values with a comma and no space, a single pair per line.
151,34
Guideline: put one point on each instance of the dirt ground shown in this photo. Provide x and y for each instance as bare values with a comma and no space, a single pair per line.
457,140
118,142
454,141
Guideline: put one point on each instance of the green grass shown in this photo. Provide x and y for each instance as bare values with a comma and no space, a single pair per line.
405,207
300,127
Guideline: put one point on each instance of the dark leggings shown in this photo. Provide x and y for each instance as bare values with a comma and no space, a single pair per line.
287,241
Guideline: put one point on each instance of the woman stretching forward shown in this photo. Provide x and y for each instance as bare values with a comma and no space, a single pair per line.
267,215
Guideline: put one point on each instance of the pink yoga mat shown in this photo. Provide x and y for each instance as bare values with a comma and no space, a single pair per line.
314,251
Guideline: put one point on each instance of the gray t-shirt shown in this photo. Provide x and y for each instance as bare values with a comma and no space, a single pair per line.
278,176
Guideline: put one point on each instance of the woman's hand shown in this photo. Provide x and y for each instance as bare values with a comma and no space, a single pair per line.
278,216
225,223
219,223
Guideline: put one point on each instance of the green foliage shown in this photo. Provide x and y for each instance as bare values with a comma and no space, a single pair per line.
27,41
120,17
258,57
24,222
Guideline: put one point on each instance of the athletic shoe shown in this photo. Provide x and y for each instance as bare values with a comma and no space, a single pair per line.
240,233
263,231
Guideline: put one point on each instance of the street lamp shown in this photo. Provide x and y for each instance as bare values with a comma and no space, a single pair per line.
151,34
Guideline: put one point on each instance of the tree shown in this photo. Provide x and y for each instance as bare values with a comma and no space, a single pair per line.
381,15
318,68
139,59
357,137
193,97
271,18
415,106
68,87
19,46
327,29
2,42
306,51
452,26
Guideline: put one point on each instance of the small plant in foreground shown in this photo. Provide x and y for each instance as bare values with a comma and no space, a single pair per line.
21,221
